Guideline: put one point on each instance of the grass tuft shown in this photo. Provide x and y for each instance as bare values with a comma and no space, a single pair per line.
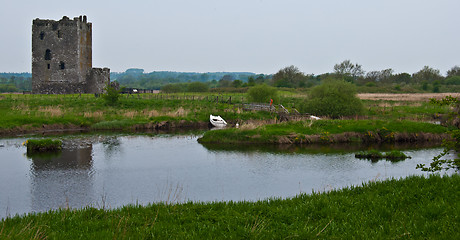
43,145
375,155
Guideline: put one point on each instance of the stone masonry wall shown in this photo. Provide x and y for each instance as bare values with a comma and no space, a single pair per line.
62,56
97,80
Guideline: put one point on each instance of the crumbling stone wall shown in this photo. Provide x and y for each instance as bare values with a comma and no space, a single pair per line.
97,80
62,58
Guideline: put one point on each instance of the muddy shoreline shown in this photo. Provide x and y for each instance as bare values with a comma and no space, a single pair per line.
184,126
54,129
346,137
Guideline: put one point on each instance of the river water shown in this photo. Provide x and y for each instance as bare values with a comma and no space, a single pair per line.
108,171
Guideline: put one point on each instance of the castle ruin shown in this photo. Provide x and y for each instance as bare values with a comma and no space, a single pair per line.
62,58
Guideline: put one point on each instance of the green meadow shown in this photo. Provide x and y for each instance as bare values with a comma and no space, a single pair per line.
412,208
31,112
328,131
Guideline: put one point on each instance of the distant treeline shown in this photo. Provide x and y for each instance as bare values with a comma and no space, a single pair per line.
136,78
426,80
15,82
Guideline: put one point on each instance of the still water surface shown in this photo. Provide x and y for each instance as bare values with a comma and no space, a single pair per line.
112,171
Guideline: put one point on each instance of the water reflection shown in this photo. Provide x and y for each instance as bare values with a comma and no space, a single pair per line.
111,146
116,170
66,159
62,180
317,148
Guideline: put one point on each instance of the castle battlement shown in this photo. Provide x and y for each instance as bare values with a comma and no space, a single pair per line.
62,57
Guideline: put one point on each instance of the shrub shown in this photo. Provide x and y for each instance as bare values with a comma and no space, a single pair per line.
173,88
263,94
396,156
111,94
370,84
371,154
197,87
455,80
43,145
334,98
375,155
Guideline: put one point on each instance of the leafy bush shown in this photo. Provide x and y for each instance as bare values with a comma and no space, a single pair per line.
396,156
174,88
455,80
370,84
111,94
197,87
375,155
43,145
263,94
334,98
371,154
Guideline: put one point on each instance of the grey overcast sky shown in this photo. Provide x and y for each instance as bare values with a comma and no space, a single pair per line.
260,36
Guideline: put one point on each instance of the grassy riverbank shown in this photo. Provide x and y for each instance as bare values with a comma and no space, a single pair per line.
28,113
415,207
330,131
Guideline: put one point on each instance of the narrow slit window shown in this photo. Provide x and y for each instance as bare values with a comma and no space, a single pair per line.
48,54
42,35
59,34
62,65
49,66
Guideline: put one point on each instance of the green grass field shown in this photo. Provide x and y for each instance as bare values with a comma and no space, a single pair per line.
326,131
34,111
412,208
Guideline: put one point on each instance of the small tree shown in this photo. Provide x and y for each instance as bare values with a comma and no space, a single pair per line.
263,94
289,77
333,98
112,93
454,71
197,87
347,70
237,83
427,74
439,162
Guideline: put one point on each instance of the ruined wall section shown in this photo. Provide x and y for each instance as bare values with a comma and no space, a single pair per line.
97,80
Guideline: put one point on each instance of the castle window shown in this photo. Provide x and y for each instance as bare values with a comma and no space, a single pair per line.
59,34
48,54
49,66
42,35
62,65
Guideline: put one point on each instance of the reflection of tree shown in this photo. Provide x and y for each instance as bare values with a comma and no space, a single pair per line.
111,146
439,163
315,148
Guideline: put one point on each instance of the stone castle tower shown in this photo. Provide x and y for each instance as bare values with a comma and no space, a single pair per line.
62,58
